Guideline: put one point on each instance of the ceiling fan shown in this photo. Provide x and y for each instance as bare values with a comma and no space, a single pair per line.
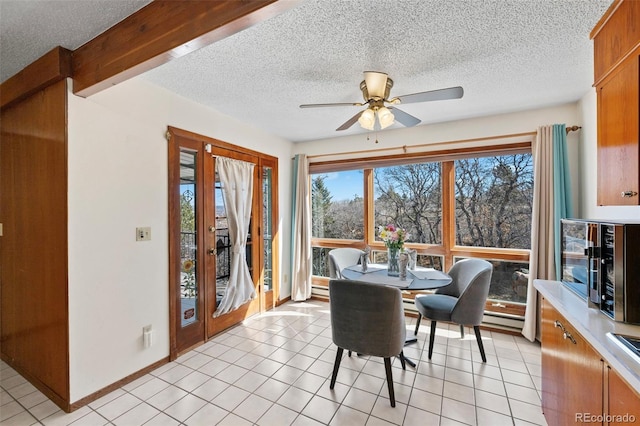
375,90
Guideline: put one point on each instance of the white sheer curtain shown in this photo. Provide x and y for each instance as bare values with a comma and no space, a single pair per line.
300,230
551,202
236,178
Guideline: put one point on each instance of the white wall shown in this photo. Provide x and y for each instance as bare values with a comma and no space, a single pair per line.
117,165
588,158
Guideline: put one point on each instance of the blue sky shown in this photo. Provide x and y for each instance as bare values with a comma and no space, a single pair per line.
344,185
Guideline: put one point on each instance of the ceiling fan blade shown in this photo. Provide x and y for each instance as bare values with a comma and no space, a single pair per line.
330,105
350,122
405,119
432,95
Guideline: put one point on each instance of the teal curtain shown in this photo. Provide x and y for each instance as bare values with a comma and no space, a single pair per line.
294,194
562,205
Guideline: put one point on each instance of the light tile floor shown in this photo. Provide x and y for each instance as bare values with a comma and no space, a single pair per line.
274,369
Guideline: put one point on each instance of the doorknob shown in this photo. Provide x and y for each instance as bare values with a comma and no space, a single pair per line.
211,251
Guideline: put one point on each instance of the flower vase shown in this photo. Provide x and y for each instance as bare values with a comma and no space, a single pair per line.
393,255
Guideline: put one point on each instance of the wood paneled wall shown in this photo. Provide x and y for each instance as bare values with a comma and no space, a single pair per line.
33,247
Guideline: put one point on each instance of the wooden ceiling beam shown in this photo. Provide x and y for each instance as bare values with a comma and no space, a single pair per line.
159,32
50,68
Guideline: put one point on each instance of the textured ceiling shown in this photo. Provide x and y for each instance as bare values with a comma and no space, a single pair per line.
507,55
30,28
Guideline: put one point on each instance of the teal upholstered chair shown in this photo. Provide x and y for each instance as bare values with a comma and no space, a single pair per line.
461,302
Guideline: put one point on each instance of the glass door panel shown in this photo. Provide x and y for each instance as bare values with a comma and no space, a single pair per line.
249,250
223,243
267,226
187,265
189,276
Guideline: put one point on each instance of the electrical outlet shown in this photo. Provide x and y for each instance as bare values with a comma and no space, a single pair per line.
143,234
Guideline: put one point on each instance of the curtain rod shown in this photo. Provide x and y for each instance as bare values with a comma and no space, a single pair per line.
405,147
424,145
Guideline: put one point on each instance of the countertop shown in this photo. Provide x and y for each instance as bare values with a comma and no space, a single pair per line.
593,325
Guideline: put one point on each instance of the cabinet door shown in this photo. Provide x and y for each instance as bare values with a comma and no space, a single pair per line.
618,132
552,367
624,402
572,372
614,36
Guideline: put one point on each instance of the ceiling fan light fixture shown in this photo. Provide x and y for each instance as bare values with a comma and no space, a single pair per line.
376,83
375,89
385,117
367,119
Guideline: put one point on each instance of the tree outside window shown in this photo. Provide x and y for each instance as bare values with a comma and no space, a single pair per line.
409,196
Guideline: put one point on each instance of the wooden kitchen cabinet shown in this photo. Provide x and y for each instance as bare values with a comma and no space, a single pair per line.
618,131
572,371
623,403
578,386
616,40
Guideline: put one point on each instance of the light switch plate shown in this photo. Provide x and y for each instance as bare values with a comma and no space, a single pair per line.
143,234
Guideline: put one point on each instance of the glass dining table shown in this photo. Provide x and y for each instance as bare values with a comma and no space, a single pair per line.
416,279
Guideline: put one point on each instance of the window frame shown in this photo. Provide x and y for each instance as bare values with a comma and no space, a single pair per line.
448,250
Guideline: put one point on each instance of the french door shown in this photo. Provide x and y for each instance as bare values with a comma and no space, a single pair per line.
200,247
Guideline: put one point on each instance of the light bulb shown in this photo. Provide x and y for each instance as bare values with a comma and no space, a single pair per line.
367,119
385,117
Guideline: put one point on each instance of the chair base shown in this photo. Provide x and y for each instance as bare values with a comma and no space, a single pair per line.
392,395
476,329
432,337
336,366
387,367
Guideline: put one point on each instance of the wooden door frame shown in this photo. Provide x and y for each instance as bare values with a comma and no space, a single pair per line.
268,299
175,145
222,148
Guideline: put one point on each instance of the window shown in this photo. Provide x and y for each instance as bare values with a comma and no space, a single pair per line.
454,204
338,205
494,200
410,195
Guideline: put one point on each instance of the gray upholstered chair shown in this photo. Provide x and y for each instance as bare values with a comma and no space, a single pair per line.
340,258
367,319
461,302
